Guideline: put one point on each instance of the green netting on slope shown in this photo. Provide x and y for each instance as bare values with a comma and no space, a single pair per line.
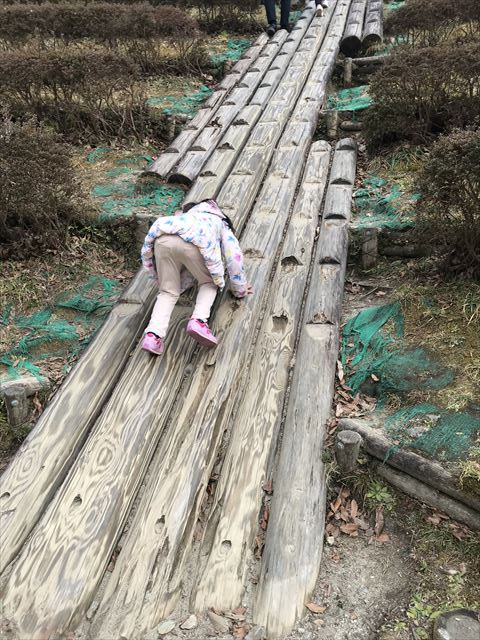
236,47
161,200
373,349
97,154
444,435
372,345
51,335
380,205
393,5
187,105
354,99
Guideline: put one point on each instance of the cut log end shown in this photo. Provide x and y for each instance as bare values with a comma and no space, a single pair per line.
179,178
347,449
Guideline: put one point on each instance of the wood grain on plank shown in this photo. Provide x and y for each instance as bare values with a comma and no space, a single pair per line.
59,568
352,39
53,444
373,28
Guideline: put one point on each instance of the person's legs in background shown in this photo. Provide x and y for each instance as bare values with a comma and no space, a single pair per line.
285,14
271,16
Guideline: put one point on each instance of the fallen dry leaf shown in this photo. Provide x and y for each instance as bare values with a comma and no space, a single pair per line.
315,608
383,537
345,492
241,632
349,528
340,372
353,509
334,506
379,521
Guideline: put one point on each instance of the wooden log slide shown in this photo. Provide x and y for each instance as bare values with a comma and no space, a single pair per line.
373,29
148,573
89,510
378,445
169,158
293,545
53,444
352,38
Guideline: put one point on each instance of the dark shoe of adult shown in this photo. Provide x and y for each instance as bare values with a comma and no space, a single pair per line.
271,29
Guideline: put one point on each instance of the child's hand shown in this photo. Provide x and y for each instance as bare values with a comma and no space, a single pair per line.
249,290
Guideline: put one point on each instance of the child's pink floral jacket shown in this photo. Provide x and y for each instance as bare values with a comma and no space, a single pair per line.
202,225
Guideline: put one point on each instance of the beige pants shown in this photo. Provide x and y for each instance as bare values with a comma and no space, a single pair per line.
171,254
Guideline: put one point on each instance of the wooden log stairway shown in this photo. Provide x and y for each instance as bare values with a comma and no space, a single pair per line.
116,471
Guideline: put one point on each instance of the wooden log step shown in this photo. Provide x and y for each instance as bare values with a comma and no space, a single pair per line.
53,444
292,551
154,563
366,61
373,29
169,158
352,38
378,445
428,495
233,519
88,511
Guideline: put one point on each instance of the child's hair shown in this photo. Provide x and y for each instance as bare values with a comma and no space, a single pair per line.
189,205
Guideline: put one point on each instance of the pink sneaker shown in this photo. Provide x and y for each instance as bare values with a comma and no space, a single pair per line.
199,331
153,344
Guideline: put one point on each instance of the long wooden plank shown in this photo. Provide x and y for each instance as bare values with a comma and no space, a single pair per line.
232,524
352,39
373,29
169,158
60,432
52,582
293,545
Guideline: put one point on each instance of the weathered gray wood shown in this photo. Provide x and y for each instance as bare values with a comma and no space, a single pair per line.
232,526
349,125
343,169
373,29
292,554
347,449
17,405
377,444
194,160
352,38
369,248
89,509
333,242
178,455
168,159
428,495
54,442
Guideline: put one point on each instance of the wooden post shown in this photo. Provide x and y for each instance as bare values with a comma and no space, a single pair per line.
331,120
349,125
369,248
347,449
347,72
16,402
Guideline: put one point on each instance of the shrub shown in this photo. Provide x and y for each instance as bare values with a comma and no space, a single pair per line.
139,30
218,15
449,211
426,24
419,93
39,194
87,95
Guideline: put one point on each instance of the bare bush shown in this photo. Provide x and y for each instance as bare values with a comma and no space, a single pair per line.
39,193
419,93
449,210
